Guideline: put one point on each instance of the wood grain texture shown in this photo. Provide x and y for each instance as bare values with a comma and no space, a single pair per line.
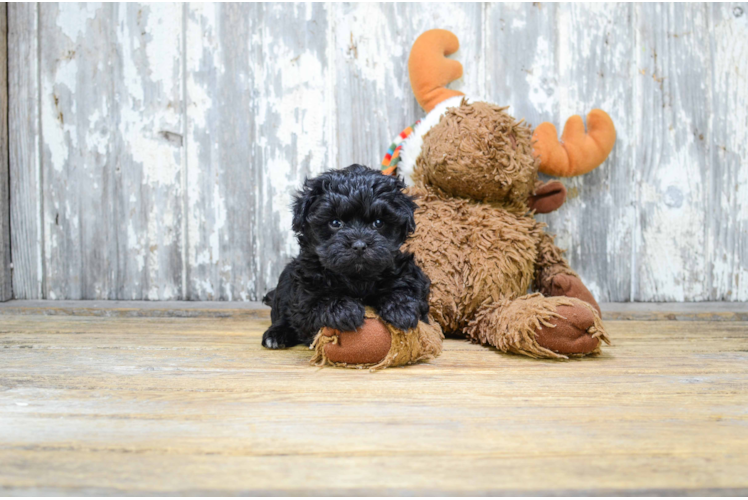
173,136
521,64
6,275
673,129
23,147
728,193
188,406
111,142
220,234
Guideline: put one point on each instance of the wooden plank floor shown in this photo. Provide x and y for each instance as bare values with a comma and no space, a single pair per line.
119,405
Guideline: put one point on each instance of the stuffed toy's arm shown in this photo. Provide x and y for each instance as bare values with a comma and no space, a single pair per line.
554,277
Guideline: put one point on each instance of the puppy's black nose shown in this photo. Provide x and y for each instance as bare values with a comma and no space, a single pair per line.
359,246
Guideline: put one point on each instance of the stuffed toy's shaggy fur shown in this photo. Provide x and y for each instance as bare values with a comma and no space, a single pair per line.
480,245
474,168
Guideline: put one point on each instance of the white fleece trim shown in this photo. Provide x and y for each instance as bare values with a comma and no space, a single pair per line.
413,144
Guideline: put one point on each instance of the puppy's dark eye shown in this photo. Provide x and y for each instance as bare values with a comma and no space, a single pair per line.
336,224
377,223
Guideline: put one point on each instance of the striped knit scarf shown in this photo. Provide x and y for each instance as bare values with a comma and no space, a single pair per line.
392,158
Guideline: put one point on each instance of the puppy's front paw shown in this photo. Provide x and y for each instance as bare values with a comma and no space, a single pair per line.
344,315
401,315
278,337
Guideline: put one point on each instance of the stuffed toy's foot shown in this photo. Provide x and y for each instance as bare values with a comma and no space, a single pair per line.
540,327
565,285
573,332
377,345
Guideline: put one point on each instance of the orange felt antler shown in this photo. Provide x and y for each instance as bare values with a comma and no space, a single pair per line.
579,152
430,71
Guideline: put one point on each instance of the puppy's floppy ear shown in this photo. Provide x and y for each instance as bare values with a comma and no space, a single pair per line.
407,204
405,210
399,182
411,225
303,202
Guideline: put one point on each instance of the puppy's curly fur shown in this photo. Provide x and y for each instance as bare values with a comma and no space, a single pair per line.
350,225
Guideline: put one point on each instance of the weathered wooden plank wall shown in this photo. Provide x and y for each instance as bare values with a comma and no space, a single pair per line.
155,147
6,291
23,148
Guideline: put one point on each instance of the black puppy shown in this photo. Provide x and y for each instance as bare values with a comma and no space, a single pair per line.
350,225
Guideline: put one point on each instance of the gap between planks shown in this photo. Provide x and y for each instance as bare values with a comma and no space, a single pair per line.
637,311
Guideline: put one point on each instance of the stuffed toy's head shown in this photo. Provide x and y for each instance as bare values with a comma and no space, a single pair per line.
478,151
